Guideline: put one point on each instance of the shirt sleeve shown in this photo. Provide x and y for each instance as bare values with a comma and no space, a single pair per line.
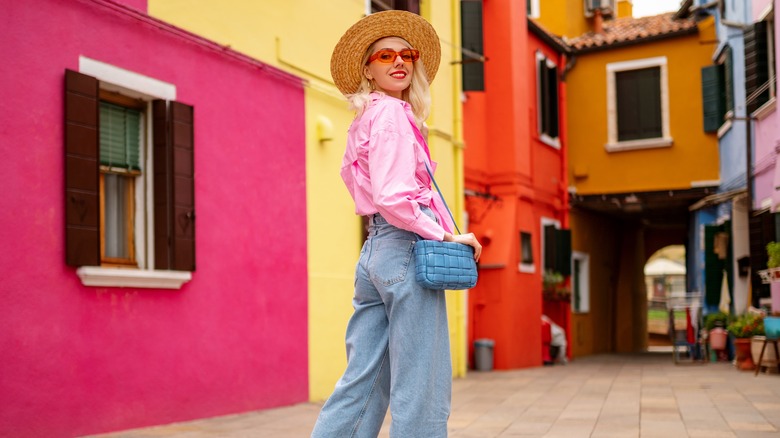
392,164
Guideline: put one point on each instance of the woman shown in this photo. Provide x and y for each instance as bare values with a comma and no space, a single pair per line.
397,340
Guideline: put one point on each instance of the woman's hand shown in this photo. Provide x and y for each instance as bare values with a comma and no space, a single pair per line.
467,239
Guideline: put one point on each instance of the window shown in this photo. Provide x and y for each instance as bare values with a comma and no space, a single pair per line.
526,253
580,296
607,7
400,5
556,248
471,35
547,100
638,105
129,179
120,132
760,82
532,8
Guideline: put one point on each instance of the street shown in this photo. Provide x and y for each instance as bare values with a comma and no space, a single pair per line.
627,395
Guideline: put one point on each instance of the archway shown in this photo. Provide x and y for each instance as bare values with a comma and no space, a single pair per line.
664,279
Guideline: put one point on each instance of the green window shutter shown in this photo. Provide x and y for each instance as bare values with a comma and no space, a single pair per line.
756,65
471,35
120,136
712,97
728,80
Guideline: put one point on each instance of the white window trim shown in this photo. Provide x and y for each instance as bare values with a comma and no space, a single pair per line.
535,12
613,145
526,268
123,277
143,87
543,137
584,281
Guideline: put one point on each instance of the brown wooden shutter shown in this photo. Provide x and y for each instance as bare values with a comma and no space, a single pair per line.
174,191
183,187
82,179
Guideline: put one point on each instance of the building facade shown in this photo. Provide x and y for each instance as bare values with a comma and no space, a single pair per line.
155,263
515,174
638,158
292,36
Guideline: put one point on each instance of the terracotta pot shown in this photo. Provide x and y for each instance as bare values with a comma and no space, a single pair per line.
718,338
742,350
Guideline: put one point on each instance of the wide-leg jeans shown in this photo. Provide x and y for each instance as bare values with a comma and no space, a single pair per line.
398,350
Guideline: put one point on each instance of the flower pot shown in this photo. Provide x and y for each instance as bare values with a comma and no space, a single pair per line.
769,354
744,357
718,338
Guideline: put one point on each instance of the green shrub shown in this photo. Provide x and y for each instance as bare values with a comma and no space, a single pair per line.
773,251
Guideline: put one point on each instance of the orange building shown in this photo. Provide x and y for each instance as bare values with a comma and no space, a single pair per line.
515,175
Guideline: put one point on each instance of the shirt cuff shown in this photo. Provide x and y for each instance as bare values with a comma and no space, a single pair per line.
428,229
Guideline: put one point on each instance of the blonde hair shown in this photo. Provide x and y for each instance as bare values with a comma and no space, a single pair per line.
418,94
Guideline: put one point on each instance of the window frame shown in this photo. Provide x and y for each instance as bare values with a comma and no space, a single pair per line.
768,16
580,296
526,266
136,199
532,9
545,221
118,83
613,144
543,136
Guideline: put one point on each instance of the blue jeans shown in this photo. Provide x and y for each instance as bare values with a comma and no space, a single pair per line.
398,349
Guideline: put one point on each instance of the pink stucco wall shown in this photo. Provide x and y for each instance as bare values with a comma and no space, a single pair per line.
76,360
767,136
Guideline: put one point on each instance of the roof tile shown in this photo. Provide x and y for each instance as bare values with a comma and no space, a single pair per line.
624,30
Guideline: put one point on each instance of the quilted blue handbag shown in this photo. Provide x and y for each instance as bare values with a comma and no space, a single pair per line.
444,265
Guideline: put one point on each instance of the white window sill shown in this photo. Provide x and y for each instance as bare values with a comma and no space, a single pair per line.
649,143
526,268
724,128
766,109
121,277
550,141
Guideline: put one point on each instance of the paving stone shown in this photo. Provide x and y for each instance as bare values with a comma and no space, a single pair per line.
636,395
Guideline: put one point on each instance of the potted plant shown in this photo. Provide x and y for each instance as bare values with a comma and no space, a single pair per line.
757,343
715,325
554,287
743,328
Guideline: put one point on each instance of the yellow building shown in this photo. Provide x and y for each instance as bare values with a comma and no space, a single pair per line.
298,37
638,158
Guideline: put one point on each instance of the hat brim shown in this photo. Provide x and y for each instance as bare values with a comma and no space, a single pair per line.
346,62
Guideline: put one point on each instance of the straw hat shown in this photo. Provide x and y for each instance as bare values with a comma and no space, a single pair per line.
346,62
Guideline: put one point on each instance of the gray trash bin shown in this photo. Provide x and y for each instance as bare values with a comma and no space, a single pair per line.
483,354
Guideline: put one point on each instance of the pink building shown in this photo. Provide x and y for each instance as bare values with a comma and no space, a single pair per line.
118,308
766,126
761,54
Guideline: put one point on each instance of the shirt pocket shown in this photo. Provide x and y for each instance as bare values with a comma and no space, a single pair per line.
390,259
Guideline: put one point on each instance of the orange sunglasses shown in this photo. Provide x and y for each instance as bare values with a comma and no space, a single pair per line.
387,56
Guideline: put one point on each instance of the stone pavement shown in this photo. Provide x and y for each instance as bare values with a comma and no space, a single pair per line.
600,396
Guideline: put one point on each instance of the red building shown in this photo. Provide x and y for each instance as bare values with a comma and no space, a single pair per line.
515,176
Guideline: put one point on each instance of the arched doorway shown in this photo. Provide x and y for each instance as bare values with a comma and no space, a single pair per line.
664,279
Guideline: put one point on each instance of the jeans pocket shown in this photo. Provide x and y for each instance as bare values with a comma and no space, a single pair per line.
390,261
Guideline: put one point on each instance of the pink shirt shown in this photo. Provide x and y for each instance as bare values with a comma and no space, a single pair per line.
384,169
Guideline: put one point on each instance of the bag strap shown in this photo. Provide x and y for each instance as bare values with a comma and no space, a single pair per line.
441,196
